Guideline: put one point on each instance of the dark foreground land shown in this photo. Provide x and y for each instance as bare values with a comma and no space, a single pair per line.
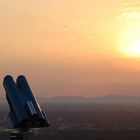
84,122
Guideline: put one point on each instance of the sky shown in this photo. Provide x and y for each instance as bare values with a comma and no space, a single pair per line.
75,47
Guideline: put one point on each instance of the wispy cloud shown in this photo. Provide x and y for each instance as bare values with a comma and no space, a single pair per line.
129,15
130,10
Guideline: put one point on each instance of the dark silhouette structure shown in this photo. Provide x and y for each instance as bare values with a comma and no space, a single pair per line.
25,111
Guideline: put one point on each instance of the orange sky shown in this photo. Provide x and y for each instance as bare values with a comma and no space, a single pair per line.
71,47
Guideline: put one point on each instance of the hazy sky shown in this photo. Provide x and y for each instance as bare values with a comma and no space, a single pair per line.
72,47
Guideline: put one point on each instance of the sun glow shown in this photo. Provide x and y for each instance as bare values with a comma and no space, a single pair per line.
133,49
130,40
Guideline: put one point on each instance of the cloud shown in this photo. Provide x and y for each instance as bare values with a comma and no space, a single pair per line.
129,15
130,11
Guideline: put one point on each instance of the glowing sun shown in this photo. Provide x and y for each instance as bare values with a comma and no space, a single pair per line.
130,40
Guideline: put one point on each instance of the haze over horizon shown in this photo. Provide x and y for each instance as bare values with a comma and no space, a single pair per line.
77,48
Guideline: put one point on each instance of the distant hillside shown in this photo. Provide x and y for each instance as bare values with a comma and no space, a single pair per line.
117,99
109,99
102,99
68,99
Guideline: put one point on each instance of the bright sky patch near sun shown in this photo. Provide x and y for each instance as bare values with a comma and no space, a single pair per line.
129,36
130,40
